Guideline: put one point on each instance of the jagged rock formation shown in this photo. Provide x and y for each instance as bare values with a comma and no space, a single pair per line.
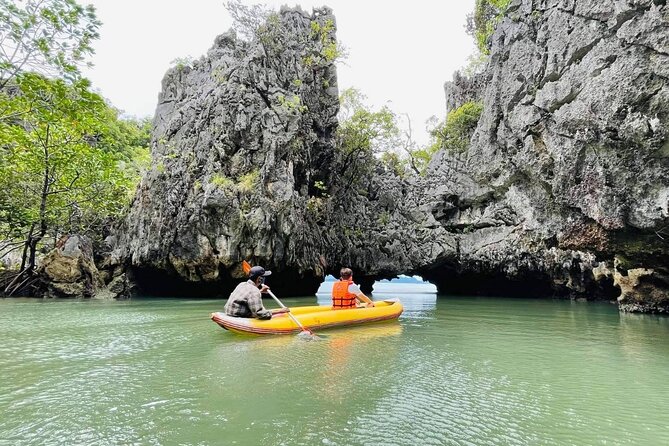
239,140
564,189
570,158
69,269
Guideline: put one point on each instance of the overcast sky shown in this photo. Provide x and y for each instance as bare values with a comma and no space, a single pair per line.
399,53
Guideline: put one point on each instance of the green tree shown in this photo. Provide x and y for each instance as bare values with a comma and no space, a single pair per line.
50,37
456,131
59,169
363,134
257,22
128,139
68,163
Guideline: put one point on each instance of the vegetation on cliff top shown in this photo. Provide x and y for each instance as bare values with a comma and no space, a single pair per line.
454,133
257,22
482,22
363,134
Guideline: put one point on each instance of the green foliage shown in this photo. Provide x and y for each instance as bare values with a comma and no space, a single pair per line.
316,206
245,183
264,25
330,49
394,163
68,163
482,24
319,189
247,20
182,62
50,37
60,159
475,64
384,218
320,186
453,134
364,131
363,136
294,103
366,136
129,140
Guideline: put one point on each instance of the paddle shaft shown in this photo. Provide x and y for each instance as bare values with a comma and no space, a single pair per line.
289,315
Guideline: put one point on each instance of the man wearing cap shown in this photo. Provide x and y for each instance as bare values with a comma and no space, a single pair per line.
246,299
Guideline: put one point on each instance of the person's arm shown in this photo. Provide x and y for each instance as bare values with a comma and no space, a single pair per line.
365,299
355,289
264,290
256,307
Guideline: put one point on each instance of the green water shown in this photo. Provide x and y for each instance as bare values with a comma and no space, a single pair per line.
452,371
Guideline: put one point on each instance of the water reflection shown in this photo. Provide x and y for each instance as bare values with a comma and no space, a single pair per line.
634,341
452,370
349,350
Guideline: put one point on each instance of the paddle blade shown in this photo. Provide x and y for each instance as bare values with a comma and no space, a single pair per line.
309,336
246,266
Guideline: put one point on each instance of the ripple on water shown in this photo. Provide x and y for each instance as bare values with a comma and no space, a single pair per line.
453,371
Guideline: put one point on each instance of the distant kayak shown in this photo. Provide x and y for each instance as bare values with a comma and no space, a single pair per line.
313,317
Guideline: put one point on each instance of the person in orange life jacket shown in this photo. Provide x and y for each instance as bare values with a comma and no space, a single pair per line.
246,299
345,293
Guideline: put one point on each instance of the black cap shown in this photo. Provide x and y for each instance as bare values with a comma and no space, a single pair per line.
258,271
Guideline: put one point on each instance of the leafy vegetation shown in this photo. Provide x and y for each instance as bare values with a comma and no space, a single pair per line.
248,181
482,23
221,181
453,134
245,183
363,134
330,48
265,25
68,163
48,37
456,131
182,62
294,103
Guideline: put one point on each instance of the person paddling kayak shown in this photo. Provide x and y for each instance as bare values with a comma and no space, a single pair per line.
246,299
346,294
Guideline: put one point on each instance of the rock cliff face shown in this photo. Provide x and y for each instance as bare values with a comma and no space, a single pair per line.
564,189
570,158
239,139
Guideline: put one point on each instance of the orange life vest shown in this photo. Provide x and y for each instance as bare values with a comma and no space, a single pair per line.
341,298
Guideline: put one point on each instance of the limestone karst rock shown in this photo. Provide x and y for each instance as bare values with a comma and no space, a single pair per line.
567,170
239,139
570,156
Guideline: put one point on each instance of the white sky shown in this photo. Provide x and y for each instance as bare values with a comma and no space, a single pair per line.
399,53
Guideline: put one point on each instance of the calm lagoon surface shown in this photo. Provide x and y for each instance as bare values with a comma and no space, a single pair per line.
451,371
